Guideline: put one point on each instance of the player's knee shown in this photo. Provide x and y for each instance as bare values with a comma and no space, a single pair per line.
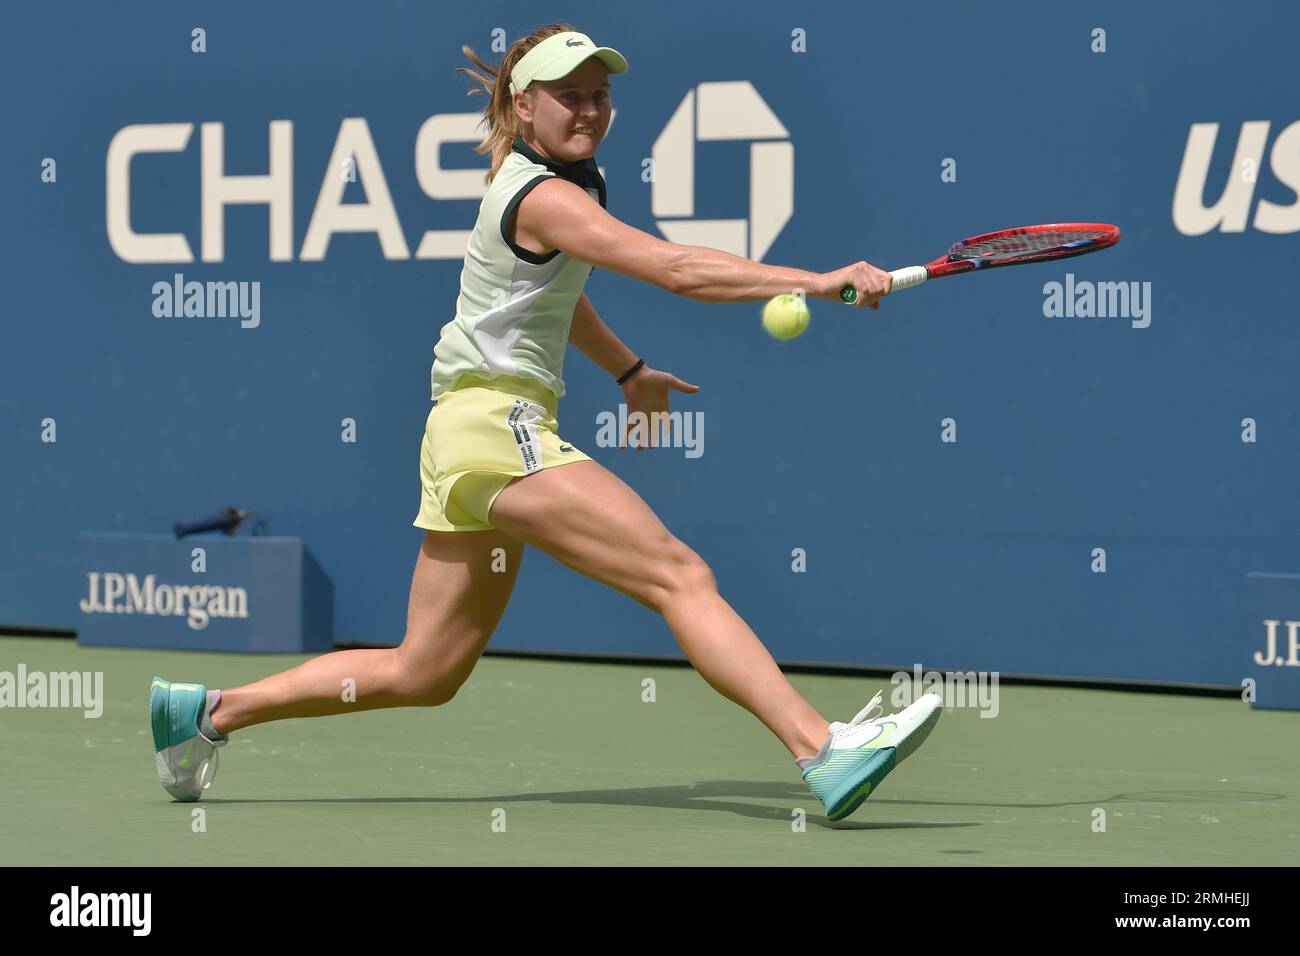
435,691
698,576
681,571
425,686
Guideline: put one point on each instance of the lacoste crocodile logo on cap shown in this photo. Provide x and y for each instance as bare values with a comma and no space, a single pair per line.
575,42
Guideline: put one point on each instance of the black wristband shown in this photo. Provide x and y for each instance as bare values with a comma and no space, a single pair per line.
630,372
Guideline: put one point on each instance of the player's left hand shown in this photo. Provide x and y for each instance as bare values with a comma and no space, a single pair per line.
647,392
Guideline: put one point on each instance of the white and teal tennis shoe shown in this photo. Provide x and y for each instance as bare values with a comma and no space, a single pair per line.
860,754
186,758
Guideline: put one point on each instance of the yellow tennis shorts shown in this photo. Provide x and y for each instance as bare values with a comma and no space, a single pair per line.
481,434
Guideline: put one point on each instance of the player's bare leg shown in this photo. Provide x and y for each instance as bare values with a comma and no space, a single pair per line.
586,517
458,593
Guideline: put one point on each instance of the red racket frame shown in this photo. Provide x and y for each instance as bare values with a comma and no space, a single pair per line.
954,262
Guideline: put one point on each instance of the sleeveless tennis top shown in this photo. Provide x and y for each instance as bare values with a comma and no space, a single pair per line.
515,306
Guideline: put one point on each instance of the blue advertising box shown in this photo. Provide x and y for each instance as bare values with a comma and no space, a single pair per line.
1273,658
210,593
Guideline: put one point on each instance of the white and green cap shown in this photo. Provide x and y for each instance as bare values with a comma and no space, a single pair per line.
559,55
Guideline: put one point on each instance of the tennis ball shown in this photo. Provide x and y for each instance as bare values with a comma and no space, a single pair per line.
785,316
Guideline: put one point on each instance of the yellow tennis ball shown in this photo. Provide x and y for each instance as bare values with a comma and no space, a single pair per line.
785,316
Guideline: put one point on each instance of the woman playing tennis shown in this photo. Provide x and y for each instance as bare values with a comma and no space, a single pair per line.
496,475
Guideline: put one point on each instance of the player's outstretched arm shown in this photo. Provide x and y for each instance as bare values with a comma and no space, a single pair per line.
565,217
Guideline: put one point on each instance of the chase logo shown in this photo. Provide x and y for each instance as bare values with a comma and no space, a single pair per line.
709,112
724,111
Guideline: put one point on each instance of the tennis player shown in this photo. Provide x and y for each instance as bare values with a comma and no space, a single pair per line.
496,474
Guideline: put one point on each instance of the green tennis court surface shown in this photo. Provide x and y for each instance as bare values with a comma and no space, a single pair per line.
587,773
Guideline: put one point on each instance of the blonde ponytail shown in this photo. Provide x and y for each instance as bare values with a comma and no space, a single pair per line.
499,114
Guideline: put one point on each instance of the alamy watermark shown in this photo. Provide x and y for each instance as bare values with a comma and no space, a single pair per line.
83,689
977,689
675,429
209,300
75,908
1098,300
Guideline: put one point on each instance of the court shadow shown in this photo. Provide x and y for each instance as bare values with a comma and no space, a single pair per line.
718,796
713,796
1134,796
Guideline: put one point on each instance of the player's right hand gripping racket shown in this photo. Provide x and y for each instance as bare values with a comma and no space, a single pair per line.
1006,247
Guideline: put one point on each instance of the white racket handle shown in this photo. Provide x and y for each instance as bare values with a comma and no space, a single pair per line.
903,279
908,277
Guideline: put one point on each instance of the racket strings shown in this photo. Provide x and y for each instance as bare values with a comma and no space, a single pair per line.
1005,247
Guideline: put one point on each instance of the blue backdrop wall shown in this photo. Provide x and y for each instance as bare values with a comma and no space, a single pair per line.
1072,433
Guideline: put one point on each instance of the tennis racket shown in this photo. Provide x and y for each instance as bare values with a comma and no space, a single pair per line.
1006,247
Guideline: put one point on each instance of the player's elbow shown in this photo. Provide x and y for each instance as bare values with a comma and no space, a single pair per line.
674,282
677,274
692,274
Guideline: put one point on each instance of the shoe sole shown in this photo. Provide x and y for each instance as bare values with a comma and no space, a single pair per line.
917,737
878,767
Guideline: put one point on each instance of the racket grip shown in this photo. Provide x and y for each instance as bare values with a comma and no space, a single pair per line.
907,277
903,278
